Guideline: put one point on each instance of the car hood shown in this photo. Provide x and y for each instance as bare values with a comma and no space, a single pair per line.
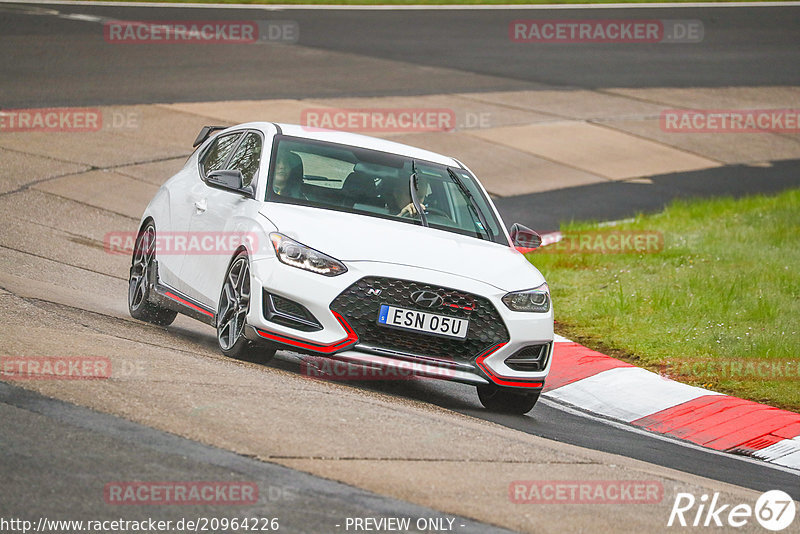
349,237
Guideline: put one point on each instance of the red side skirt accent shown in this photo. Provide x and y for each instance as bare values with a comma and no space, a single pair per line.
187,303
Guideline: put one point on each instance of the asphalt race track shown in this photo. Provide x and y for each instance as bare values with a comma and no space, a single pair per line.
120,450
55,55
61,61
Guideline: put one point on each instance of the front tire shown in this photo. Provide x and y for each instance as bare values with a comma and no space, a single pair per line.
234,303
142,266
507,400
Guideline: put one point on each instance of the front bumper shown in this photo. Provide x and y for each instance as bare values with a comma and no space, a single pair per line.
346,310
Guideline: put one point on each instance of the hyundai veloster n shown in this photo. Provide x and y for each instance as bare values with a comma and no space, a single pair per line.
346,247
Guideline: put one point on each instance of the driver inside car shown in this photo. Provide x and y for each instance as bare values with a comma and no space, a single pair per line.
397,196
288,178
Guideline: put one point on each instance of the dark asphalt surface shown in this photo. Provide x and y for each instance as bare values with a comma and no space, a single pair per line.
611,201
549,421
66,61
58,456
57,59
56,459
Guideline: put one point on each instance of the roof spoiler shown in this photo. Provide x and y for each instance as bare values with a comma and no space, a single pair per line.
205,132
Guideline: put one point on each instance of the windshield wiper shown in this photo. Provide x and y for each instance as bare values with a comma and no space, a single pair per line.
481,222
412,183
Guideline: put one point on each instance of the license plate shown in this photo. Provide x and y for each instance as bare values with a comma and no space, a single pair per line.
430,323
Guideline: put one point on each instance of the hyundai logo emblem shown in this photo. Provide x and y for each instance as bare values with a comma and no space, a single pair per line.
427,299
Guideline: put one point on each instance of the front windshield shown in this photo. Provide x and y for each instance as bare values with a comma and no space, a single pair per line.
367,182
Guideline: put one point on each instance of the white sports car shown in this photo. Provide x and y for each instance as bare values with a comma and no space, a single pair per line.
347,247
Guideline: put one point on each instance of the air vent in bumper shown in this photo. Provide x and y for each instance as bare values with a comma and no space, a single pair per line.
289,313
530,359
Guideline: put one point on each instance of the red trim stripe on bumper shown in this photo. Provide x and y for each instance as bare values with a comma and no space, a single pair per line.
329,348
501,380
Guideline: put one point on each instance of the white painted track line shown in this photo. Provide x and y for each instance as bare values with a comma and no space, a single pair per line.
661,437
786,452
627,393
790,460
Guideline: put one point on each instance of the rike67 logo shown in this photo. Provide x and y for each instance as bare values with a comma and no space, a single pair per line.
774,510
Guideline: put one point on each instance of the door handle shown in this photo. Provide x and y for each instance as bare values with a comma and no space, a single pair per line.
201,205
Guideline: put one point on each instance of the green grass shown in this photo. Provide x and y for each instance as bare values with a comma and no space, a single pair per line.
423,2
724,289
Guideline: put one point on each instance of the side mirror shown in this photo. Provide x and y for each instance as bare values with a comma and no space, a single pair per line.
524,237
229,180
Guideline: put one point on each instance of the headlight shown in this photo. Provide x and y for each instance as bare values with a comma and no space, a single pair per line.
530,300
293,253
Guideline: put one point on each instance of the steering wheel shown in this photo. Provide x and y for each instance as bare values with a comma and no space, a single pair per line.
431,211
440,213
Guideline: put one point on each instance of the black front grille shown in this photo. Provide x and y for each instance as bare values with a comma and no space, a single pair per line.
532,358
360,303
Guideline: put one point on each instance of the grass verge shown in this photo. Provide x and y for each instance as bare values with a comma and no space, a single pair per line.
717,306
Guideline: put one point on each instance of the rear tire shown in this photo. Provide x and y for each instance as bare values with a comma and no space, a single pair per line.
507,400
142,265
234,303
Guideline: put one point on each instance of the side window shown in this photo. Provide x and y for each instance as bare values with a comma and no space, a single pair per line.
218,152
247,157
